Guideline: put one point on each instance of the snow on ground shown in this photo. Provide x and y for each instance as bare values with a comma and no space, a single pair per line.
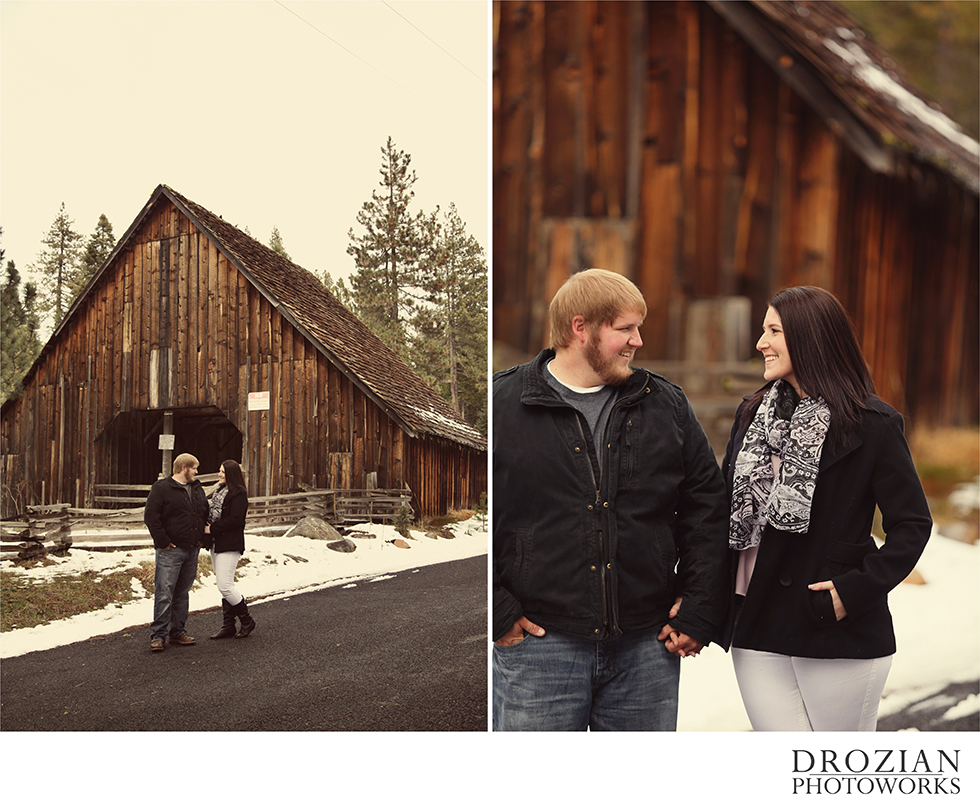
278,566
937,624
937,629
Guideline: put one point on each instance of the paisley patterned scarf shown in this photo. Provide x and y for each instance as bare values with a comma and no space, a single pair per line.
760,497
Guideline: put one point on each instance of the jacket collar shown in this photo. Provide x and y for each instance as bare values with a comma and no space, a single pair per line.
535,389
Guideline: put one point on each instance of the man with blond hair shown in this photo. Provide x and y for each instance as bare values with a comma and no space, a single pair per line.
610,526
175,513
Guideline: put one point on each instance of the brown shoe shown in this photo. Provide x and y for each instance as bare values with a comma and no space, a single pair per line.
156,645
182,639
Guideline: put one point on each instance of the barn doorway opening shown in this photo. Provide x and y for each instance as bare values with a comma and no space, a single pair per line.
131,443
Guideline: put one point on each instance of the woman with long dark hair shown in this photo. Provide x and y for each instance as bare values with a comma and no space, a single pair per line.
811,455
225,533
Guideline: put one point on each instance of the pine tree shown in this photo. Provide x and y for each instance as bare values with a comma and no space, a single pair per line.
97,250
451,332
336,288
19,346
58,265
275,242
387,254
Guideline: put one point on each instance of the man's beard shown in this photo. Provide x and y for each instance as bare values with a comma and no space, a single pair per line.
605,367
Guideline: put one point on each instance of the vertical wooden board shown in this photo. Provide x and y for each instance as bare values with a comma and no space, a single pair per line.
518,149
659,254
150,309
733,146
559,259
397,480
219,332
819,171
754,259
211,314
609,46
787,161
703,281
117,329
196,281
563,98
174,333
182,339
690,24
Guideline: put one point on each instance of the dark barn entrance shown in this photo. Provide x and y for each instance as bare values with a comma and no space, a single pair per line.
131,443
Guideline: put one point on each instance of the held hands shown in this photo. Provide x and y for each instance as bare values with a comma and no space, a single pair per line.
680,644
839,611
516,633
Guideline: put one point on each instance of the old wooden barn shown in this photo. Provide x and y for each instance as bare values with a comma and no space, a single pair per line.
717,151
193,329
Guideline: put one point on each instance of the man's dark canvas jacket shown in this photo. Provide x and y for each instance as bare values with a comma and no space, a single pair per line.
172,517
601,556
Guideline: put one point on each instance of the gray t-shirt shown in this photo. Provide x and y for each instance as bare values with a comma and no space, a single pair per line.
595,404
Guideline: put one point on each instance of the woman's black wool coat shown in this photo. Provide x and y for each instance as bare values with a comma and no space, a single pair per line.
228,531
779,613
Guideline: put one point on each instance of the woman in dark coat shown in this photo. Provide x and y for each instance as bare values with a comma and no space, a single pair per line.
225,537
810,457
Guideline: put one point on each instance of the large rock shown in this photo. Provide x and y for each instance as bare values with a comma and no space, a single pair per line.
316,529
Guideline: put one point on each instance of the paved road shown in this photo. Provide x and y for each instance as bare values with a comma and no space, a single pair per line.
927,713
407,653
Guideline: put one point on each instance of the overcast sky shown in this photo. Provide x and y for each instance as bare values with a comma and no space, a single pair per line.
266,113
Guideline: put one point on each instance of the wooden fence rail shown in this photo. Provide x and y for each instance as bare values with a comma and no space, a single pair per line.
44,529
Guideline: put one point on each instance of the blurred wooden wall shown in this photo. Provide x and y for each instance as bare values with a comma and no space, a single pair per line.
651,139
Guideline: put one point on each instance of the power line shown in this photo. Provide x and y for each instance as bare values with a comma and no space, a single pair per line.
358,58
433,41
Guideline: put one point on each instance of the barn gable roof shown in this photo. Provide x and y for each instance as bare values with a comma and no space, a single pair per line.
303,300
862,95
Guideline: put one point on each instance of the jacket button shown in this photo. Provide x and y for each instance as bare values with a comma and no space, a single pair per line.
605,505
578,449
786,580
609,566
589,507
592,567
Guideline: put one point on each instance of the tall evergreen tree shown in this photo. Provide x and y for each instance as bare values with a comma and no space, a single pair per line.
387,254
19,345
97,250
58,265
450,344
275,242
337,288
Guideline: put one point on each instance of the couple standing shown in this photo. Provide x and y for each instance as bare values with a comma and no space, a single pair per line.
619,547
182,522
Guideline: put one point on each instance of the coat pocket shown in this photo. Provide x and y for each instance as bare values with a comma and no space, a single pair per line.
845,556
522,557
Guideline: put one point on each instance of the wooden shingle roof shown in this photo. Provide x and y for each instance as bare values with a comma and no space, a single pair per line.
332,328
859,91
343,338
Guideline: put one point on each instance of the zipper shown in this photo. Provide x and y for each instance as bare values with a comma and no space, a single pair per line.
597,486
602,549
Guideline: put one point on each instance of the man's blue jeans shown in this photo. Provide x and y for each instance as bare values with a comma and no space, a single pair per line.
560,683
176,569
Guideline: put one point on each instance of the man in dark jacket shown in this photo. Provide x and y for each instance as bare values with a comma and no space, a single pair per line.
175,513
609,530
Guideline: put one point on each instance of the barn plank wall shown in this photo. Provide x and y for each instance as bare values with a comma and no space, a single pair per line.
651,138
173,325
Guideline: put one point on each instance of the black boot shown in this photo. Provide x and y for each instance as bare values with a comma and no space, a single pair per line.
228,621
248,623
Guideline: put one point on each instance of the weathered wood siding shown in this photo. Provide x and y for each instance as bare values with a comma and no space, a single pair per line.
172,325
649,138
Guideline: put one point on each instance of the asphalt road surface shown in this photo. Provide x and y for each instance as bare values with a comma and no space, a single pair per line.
402,654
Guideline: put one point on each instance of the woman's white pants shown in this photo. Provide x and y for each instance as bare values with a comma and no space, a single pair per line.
786,693
224,564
